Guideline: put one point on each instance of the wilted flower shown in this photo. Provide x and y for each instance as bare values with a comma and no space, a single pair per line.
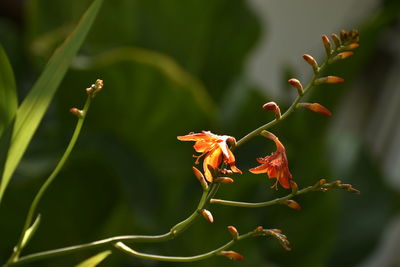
275,165
215,150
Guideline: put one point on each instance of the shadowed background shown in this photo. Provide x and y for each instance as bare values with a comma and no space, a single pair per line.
172,67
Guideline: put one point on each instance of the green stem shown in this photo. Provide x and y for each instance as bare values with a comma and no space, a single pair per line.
32,210
121,246
281,200
284,115
175,230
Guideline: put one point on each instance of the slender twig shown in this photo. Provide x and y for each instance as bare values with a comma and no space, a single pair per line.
121,246
32,210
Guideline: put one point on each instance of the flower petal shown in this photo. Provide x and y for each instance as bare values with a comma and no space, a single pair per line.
212,159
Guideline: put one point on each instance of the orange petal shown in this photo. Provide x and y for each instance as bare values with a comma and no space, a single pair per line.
260,169
212,159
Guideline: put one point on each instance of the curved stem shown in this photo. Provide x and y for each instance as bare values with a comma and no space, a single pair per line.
121,246
282,200
175,230
284,115
32,210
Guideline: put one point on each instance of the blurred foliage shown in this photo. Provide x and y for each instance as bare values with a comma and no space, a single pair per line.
171,67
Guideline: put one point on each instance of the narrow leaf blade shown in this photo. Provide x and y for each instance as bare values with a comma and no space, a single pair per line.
8,92
95,260
32,109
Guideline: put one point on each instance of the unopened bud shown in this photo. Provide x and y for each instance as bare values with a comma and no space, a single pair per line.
328,79
77,112
350,46
341,56
232,255
315,107
272,106
336,40
223,180
296,84
337,182
95,88
207,215
322,182
327,45
313,63
293,204
343,35
234,232
259,229
353,190
200,177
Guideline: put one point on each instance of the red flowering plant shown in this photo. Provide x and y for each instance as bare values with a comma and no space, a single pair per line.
218,162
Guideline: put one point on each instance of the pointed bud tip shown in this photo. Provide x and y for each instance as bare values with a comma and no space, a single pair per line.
224,180
207,215
233,231
77,112
293,204
232,255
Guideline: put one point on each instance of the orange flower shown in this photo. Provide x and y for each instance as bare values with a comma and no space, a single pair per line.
215,150
275,165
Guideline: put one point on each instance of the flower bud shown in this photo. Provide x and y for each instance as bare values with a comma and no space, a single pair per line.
343,35
272,106
313,63
259,229
351,46
207,215
328,79
293,204
322,182
327,45
232,255
315,107
296,84
336,40
341,56
95,88
77,112
234,232
223,180
200,177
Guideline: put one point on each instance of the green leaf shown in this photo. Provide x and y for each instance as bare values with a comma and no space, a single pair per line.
95,260
33,108
30,232
8,92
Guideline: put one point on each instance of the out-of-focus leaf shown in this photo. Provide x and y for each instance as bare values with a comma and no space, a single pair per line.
8,92
167,65
95,260
32,109
30,232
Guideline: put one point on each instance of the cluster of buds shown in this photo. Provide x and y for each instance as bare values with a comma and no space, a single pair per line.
323,186
276,233
92,92
95,88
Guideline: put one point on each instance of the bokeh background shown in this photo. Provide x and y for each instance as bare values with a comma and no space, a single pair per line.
171,67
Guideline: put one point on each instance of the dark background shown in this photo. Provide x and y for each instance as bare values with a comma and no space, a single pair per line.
169,69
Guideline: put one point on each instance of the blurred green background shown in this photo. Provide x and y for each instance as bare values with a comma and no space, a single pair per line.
172,67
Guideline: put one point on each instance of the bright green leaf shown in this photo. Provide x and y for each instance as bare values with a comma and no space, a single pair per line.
95,260
30,232
37,101
8,92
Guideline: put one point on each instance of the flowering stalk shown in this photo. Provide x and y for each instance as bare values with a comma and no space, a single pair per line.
319,186
81,114
217,152
259,231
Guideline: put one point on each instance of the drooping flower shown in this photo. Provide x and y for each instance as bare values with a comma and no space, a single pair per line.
275,165
215,150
